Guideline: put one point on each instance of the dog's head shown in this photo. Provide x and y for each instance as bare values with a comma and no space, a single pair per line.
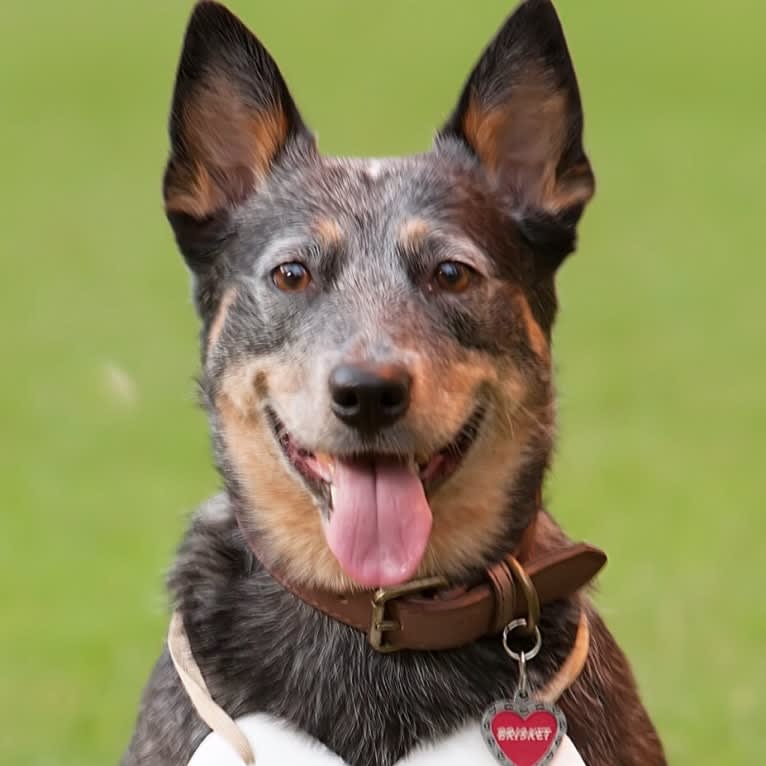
376,333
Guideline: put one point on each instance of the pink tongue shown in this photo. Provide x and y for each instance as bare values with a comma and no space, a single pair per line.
380,522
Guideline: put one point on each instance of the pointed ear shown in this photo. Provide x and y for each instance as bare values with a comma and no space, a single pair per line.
231,116
520,113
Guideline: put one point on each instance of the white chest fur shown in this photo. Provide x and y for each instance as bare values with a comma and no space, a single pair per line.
276,744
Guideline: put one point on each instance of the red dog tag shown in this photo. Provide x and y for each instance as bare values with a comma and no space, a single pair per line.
523,732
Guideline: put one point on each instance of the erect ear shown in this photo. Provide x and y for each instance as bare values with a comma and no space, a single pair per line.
231,116
520,113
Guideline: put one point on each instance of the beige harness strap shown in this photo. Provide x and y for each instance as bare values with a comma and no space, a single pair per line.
226,728
572,666
191,678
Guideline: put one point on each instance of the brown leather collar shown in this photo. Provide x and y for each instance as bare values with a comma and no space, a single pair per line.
403,617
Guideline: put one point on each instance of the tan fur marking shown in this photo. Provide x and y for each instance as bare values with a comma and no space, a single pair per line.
468,510
286,513
467,523
524,139
537,340
413,232
268,131
230,148
220,318
329,232
481,129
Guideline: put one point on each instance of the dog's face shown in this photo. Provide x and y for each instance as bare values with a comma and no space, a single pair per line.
376,333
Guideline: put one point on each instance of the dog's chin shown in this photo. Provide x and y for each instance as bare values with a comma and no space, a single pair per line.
375,511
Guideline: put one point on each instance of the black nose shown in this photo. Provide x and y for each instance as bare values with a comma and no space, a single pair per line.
368,397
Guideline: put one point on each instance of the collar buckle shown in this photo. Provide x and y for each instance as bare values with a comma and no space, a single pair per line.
380,622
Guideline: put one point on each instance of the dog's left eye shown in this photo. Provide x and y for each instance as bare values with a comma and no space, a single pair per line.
453,276
291,277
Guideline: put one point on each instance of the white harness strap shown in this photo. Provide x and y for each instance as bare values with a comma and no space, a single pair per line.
191,677
228,730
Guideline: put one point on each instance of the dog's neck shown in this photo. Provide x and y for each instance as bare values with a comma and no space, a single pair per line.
430,614
264,649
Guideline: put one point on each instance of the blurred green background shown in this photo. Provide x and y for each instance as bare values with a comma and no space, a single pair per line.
660,342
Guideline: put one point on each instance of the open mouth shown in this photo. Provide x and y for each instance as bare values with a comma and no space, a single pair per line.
379,520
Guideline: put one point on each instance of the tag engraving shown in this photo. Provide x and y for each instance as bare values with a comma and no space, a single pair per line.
523,731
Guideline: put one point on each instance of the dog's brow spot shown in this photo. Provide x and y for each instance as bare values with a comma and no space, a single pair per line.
328,231
412,232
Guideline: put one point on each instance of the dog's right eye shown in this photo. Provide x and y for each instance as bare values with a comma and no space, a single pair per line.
453,276
291,277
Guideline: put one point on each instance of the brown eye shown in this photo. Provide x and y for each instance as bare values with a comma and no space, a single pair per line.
453,276
291,277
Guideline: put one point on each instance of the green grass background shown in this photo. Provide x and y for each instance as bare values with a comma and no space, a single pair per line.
660,342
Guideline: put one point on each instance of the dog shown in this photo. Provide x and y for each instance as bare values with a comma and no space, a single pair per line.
377,369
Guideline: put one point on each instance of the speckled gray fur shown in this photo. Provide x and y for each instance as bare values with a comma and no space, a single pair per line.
259,647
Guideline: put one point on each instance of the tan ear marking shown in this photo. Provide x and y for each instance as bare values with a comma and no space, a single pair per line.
226,147
481,129
190,190
523,140
268,132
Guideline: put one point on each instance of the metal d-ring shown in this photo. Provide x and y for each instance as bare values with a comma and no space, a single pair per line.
527,587
522,657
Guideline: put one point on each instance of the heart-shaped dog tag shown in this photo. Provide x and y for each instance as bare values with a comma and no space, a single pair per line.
523,731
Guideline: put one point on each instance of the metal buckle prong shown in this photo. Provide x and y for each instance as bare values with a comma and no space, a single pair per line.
379,622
